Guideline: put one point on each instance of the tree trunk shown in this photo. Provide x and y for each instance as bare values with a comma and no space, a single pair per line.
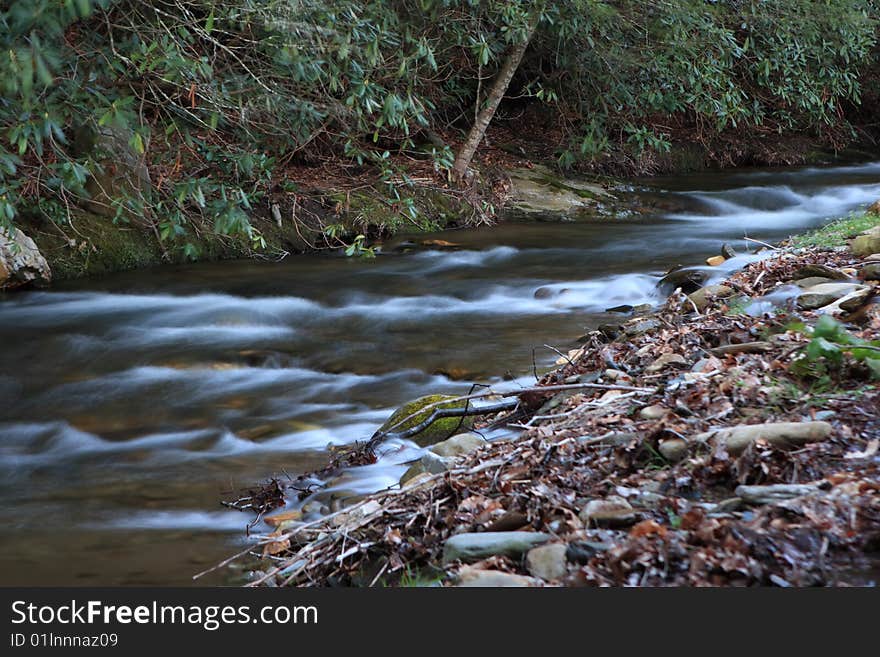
499,87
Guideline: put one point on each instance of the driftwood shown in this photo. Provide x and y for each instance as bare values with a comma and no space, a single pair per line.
776,492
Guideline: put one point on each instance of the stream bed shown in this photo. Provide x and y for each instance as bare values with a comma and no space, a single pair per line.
133,404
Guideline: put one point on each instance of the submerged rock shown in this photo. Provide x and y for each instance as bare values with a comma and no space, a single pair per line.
414,413
479,545
21,262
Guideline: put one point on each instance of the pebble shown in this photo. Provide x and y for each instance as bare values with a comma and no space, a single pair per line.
674,449
472,577
547,562
613,510
653,412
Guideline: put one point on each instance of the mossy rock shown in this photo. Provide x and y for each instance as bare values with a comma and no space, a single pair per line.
435,432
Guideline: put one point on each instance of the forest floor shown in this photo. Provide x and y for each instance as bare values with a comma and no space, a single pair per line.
729,437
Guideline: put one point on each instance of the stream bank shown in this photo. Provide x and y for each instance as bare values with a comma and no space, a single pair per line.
730,438
318,210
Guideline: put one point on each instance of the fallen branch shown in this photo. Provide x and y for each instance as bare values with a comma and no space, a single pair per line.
481,410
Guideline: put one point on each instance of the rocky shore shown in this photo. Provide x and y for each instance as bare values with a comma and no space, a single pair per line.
728,437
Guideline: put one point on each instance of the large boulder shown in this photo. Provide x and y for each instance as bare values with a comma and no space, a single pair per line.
537,192
417,411
21,262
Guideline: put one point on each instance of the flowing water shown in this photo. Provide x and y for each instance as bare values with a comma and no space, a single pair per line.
132,404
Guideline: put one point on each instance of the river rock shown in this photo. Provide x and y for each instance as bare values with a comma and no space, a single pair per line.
429,463
727,251
653,412
855,299
458,445
479,545
473,577
866,243
702,297
824,294
414,413
811,281
613,510
781,434
21,262
547,562
635,328
714,261
674,449
689,280
870,272
537,192
821,271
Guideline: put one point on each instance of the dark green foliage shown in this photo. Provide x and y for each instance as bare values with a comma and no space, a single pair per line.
826,351
219,97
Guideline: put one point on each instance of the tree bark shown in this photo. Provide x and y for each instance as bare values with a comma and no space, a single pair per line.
499,87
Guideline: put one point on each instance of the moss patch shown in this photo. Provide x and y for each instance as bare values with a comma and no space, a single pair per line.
838,232
435,432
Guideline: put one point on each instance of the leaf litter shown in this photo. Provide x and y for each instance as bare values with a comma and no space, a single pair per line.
681,522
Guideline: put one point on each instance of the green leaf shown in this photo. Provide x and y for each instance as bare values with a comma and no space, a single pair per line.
827,327
137,143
